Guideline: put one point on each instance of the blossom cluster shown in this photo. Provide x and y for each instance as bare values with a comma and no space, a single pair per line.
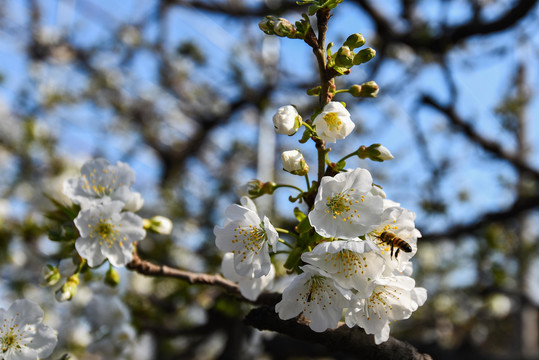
353,248
106,222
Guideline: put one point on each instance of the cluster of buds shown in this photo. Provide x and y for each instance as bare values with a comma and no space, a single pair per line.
345,57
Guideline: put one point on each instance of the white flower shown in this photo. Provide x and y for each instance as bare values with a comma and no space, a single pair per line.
294,162
393,298
317,296
101,181
345,206
248,237
249,288
352,264
286,120
22,335
107,233
333,122
396,237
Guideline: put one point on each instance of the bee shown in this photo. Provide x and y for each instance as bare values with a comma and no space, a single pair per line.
395,242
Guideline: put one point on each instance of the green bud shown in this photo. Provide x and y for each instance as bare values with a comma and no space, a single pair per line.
355,90
345,57
364,56
69,289
284,28
112,278
267,25
49,275
268,188
369,89
354,41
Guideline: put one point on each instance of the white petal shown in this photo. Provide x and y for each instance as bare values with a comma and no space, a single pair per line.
25,312
44,341
90,250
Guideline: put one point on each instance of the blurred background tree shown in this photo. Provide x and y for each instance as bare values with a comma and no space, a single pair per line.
184,92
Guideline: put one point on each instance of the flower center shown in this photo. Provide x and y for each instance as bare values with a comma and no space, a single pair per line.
106,232
9,340
332,120
251,237
102,184
342,204
349,262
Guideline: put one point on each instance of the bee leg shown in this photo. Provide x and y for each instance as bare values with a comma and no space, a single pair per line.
397,253
392,251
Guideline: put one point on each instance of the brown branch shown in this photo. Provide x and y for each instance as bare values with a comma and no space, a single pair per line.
450,36
147,268
342,339
519,206
489,146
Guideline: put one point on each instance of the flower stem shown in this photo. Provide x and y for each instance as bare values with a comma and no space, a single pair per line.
285,243
289,186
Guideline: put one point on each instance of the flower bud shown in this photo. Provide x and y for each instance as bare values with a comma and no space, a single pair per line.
314,91
49,275
287,120
69,289
283,28
294,162
355,41
345,57
112,278
268,188
364,56
355,90
267,24
158,224
135,203
369,89
251,189
378,152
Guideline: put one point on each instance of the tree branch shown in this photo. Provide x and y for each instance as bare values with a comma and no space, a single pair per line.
147,268
342,339
519,206
489,146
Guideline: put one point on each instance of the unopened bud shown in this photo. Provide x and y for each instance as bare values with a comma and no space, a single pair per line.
364,56
69,289
251,189
294,162
112,278
369,89
354,41
268,188
286,120
283,28
377,152
355,90
267,24
49,275
158,224
345,57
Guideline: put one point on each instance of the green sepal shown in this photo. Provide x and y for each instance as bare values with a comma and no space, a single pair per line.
341,70
304,226
340,165
293,258
299,214
307,134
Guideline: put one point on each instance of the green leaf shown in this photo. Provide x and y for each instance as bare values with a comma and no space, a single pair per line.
299,214
304,226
